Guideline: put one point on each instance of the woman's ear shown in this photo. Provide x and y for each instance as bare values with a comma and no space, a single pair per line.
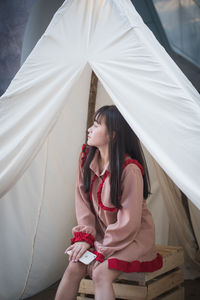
114,134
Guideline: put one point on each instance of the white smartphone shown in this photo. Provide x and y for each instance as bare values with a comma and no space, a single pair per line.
86,258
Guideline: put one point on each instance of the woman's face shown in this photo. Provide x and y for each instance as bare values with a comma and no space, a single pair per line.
98,134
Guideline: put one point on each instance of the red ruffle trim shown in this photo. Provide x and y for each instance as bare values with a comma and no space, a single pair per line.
81,236
100,257
84,154
133,161
106,174
136,265
99,193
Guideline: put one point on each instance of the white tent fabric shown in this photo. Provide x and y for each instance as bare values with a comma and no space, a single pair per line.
51,89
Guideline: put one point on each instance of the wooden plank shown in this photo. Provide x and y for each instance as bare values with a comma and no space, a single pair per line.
128,291
165,250
123,291
170,262
86,287
137,277
175,295
164,284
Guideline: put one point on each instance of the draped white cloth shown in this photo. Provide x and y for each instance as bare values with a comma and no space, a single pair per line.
45,108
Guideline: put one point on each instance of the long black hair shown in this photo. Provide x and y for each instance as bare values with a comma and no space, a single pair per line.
124,142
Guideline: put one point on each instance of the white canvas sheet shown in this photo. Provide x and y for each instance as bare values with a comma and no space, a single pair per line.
151,92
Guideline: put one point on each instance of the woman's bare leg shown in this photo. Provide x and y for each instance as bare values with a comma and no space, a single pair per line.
69,284
102,278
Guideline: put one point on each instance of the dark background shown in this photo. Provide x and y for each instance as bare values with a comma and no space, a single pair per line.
13,19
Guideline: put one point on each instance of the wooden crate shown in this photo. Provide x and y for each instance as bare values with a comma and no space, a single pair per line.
164,284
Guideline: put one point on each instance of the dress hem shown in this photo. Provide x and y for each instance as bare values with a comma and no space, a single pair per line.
136,265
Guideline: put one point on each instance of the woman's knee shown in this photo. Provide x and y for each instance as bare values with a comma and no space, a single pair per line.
75,271
100,276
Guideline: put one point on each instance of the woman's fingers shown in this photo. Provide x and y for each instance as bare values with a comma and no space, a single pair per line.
75,253
77,250
80,253
69,248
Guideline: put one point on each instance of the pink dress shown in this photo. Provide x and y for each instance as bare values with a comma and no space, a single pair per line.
124,237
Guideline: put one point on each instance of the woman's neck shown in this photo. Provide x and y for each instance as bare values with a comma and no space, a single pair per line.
103,157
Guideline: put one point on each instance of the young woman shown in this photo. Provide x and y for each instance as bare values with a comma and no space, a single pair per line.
113,219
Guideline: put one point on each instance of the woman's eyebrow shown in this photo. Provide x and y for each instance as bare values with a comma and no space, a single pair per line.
95,120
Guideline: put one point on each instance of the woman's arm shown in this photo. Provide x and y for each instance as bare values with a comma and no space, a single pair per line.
120,234
85,230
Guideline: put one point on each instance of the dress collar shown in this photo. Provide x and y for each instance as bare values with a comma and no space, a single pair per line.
94,165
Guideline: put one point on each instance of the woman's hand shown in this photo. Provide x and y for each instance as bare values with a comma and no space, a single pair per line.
78,249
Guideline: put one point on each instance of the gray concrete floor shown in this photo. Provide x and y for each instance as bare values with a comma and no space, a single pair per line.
192,291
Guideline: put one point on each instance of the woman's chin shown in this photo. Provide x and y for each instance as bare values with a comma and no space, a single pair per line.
89,143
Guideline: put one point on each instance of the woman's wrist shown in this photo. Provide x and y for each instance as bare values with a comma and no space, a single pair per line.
100,257
82,236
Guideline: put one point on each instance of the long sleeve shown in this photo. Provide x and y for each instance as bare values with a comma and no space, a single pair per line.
121,233
85,230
